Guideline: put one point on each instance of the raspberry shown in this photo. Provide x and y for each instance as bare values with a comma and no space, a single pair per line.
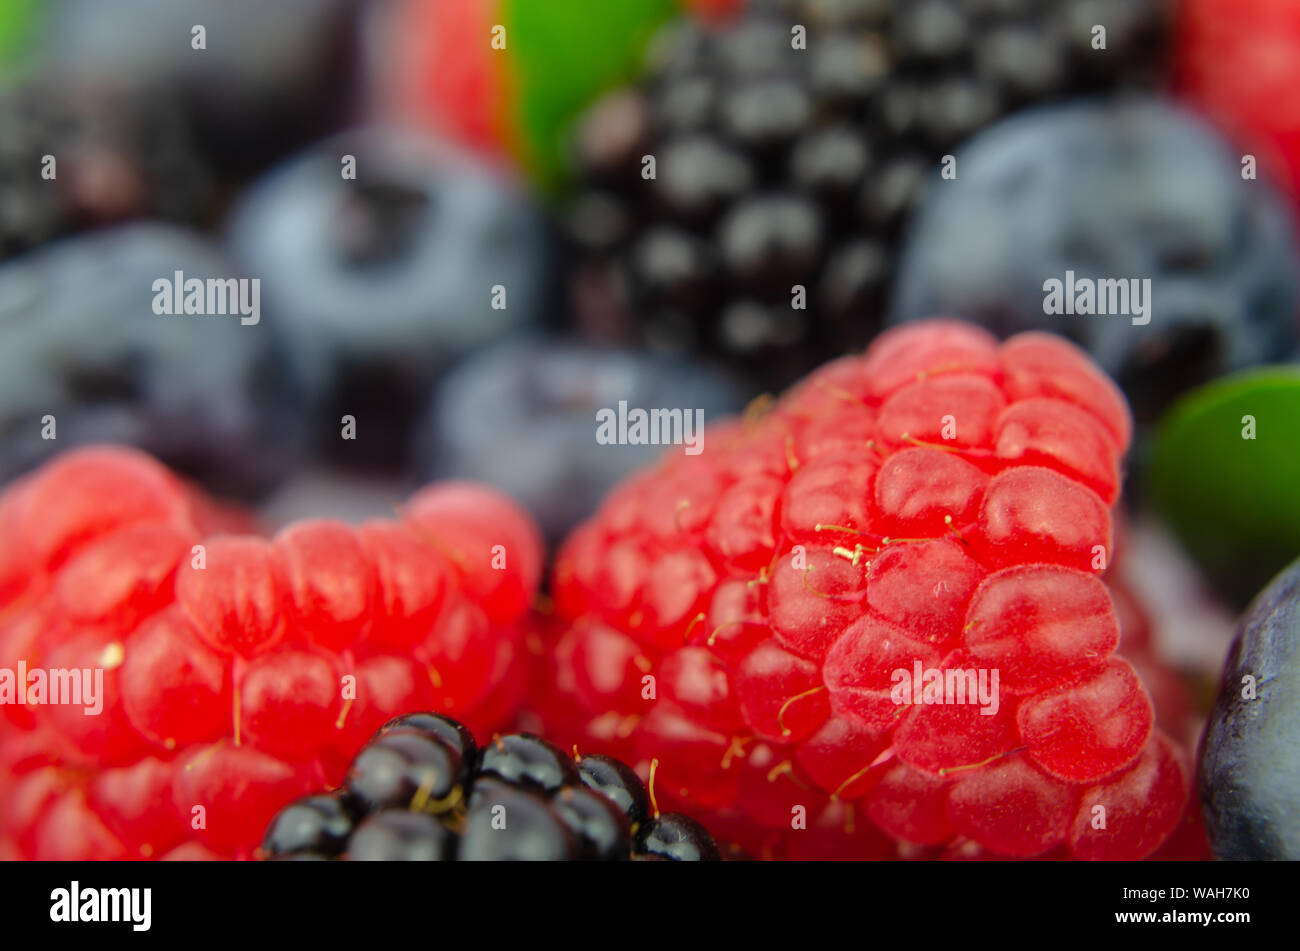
1236,62
960,530
421,789
238,672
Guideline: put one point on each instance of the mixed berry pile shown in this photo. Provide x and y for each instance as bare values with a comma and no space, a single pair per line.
790,144
239,671
905,600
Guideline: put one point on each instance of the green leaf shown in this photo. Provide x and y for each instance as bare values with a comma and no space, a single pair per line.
17,18
1234,502
564,54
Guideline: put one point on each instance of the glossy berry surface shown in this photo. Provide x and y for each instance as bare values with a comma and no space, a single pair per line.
1247,767
789,144
320,825
617,782
1084,190
942,502
679,838
240,672
521,799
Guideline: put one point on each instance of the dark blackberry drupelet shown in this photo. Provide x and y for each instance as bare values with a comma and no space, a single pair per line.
778,166
317,825
117,155
421,790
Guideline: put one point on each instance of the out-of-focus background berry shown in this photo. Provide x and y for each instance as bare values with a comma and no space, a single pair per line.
561,205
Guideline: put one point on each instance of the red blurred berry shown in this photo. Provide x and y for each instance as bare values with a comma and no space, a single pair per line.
1239,62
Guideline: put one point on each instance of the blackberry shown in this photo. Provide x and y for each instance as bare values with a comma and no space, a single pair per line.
404,766
316,825
618,783
421,789
117,156
526,760
777,166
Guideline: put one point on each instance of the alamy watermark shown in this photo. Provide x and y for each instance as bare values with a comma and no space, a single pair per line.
654,427
181,296
952,685
57,686
1100,297
74,904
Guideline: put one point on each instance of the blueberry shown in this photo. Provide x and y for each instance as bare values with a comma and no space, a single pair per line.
1250,755
1129,190
208,395
382,281
522,416
270,78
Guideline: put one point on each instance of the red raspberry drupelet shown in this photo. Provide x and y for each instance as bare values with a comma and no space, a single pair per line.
755,617
237,672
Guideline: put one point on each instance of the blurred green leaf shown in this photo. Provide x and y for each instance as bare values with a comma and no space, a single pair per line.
1234,502
565,53
17,18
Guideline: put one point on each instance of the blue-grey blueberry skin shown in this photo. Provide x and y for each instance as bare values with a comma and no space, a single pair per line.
208,395
1250,758
379,283
522,416
1127,189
